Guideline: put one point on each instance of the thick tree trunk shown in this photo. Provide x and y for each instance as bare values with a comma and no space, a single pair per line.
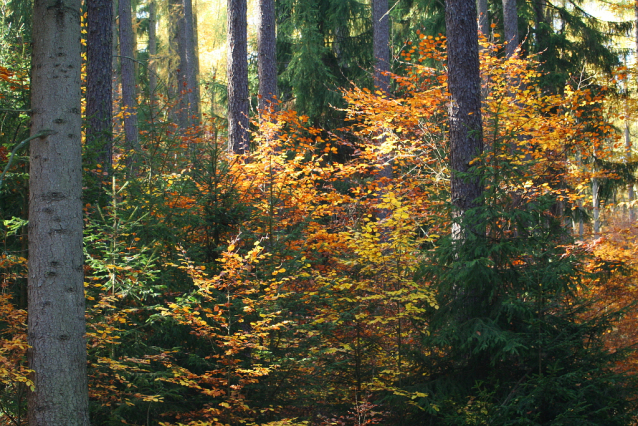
267,60
57,352
152,50
464,82
187,80
99,89
237,77
127,61
381,50
483,17
510,25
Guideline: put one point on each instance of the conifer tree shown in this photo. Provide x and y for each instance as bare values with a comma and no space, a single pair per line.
57,353
237,76
267,55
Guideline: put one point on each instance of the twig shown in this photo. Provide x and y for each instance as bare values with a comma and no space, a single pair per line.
41,134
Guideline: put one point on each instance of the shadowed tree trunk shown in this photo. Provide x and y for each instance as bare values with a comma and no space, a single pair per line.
267,61
99,89
381,50
483,17
464,83
57,352
510,26
152,50
237,77
127,64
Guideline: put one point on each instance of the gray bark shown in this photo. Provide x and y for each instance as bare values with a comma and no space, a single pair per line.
267,56
381,44
464,83
152,50
99,89
187,80
57,352
483,17
127,61
595,186
510,26
237,77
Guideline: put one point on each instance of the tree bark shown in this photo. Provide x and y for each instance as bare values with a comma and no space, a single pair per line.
267,56
510,26
381,44
464,83
483,17
99,89
127,61
237,77
187,80
152,50
57,352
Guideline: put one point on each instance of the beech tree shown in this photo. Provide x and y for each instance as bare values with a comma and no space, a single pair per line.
464,84
99,91
237,76
56,322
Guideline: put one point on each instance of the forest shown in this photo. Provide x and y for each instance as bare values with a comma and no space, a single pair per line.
318,212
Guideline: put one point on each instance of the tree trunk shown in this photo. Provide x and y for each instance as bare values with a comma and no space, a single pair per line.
127,61
464,82
152,51
483,17
237,77
381,50
595,187
267,61
99,89
57,352
510,26
187,80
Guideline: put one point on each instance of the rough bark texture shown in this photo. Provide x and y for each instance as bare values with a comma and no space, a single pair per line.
510,25
56,283
237,76
464,82
483,17
127,61
267,55
152,49
99,89
187,80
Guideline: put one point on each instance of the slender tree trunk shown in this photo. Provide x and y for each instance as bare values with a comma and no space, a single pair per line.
57,352
187,81
483,17
595,187
381,44
127,61
630,186
99,73
237,77
267,61
510,24
464,82
152,50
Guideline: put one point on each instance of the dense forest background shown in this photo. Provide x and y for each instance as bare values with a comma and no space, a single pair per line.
275,229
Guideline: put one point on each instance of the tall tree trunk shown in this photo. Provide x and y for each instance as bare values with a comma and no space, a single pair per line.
381,50
152,51
464,82
127,61
483,17
627,136
57,352
267,56
595,189
510,25
187,81
237,77
99,89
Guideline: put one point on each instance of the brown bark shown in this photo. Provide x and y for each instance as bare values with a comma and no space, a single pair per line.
57,352
237,77
99,89
267,56
127,61
187,80
464,83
